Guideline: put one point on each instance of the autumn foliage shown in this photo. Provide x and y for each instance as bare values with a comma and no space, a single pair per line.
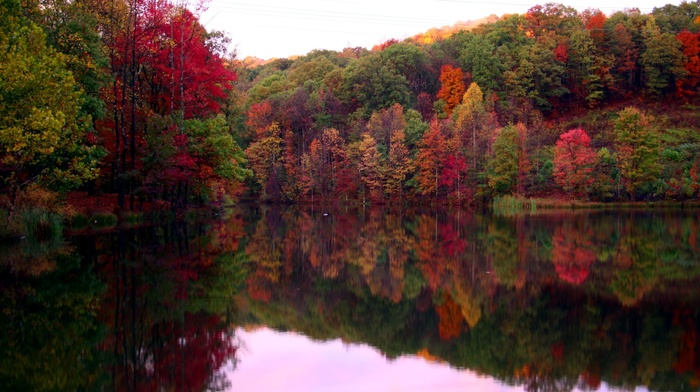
152,108
573,162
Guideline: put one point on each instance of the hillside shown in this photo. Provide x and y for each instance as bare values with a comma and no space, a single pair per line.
461,115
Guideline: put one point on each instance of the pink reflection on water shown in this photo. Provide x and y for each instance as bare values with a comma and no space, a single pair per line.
274,361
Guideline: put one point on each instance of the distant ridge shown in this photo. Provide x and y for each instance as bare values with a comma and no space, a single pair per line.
436,34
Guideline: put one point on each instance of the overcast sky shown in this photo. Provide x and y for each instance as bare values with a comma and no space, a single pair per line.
283,28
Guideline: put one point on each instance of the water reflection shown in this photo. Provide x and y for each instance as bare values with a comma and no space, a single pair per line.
136,309
556,301
552,301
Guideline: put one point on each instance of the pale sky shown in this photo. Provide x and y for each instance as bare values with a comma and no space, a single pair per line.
283,28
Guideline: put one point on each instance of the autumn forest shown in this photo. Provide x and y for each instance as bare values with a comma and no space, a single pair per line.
138,100
159,194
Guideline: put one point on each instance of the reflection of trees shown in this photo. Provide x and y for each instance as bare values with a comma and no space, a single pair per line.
48,328
573,253
423,283
502,240
638,260
451,320
163,334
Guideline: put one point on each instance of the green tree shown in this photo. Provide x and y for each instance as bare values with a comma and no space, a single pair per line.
548,73
502,167
372,85
415,127
479,58
637,146
584,68
42,129
409,61
71,28
662,60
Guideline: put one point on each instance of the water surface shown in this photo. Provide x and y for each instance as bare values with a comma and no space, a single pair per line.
358,299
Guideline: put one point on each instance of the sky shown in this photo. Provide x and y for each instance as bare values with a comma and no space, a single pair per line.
282,28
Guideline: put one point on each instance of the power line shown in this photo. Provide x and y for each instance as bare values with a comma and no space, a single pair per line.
534,4
325,15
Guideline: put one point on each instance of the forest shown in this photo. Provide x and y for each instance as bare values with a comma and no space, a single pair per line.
137,100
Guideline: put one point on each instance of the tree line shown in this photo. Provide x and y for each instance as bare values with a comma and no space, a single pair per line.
136,98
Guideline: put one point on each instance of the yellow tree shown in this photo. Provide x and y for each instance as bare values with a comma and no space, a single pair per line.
399,165
370,166
264,160
469,117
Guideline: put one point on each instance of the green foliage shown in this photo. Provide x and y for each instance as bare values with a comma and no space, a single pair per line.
371,84
216,147
41,224
479,58
662,60
606,176
637,147
415,127
273,86
315,70
42,127
72,29
502,166
100,221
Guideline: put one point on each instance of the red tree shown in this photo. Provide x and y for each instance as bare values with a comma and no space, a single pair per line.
573,162
595,24
691,51
188,75
430,160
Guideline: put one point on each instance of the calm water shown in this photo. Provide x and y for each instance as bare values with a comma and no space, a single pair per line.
343,300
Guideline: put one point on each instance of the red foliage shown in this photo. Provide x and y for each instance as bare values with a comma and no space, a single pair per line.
595,25
430,159
558,351
561,53
452,243
260,117
189,74
573,161
572,255
182,356
688,86
453,173
592,379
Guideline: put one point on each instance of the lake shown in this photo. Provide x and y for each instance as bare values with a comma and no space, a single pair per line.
346,299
